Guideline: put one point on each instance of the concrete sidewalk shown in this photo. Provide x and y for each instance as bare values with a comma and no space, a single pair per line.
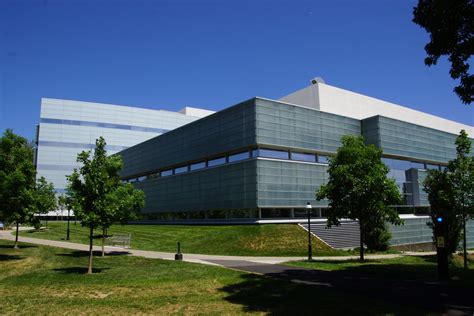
226,261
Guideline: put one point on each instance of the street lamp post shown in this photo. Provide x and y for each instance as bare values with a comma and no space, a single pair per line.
310,246
68,218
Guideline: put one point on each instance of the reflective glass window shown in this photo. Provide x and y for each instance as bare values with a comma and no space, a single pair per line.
271,153
167,173
255,153
181,170
303,157
239,156
216,161
323,159
401,164
432,167
140,179
198,165
417,165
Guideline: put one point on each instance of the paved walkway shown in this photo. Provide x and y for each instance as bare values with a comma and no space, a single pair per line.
226,261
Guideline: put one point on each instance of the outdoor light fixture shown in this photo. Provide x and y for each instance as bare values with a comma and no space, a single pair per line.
310,246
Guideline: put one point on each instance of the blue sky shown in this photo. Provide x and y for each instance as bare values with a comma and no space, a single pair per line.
212,54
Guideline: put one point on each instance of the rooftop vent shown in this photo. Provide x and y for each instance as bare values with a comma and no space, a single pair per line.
317,80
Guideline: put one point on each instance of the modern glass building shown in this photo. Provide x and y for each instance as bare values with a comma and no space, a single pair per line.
266,158
68,127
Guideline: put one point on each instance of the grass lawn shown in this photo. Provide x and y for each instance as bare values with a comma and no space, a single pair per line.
237,240
45,280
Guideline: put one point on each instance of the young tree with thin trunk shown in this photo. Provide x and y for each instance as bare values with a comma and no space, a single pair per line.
358,188
17,180
452,191
95,191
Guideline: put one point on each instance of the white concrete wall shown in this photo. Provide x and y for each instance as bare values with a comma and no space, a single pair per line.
347,103
195,112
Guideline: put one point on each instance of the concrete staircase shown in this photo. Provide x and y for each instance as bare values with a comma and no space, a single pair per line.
345,236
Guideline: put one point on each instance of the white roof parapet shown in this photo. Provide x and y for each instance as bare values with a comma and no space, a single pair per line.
338,101
196,112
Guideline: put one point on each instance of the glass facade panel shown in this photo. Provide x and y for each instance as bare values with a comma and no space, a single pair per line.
239,156
303,157
417,165
181,170
271,153
323,159
432,167
166,173
198,165
216,162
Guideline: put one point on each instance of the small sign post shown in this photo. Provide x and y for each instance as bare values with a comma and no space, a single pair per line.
441,241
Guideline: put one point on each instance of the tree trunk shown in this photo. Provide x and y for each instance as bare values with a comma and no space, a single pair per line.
16,237
361,249
91,250
103,242
464,240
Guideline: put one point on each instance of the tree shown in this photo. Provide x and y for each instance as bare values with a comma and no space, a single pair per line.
17,180
437,186
44,198
450,24
452,191
461,175
96,193
358,188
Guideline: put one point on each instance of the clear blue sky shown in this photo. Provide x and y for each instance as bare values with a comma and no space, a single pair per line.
212,54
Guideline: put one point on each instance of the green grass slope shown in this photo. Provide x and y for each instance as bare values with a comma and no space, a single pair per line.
237,240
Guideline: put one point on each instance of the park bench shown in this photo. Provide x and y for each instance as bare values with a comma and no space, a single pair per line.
120,240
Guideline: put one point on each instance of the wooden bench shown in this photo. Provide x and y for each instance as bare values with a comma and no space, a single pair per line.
120,240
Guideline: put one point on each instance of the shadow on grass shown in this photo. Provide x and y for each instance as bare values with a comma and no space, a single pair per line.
10,257
81,254
277,297
20,246
79,270
367,289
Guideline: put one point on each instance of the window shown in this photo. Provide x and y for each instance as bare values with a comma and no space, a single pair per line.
181,170
432,167
142,178
303,157
271,153
166,173
198,165
216,162
152,175
323,159
239,156
255,153
417,165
